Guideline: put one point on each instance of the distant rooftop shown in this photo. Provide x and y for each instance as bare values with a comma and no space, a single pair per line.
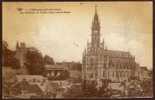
143,68
56,67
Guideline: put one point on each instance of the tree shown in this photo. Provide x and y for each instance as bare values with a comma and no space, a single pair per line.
48,60
77,66
8,57
34,62
9,79
147,87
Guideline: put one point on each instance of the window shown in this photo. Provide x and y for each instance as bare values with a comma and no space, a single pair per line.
113,74
122,66
48,75
52,73
127,66
34,80
121,74
104,64
91,75
103,74
38,81
58,74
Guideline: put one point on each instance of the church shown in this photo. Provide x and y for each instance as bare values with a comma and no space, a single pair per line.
99,63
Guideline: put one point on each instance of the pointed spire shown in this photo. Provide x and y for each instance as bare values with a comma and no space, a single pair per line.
96,15
103,43
96,9
17,45
95,38
87,42
96,19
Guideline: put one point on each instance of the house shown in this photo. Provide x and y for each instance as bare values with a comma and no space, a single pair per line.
38,80
56,72
23,89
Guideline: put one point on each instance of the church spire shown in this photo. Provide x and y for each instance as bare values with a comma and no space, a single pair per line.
95,41
96,23
95,9
17,45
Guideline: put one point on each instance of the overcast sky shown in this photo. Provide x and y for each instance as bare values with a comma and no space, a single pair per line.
125,26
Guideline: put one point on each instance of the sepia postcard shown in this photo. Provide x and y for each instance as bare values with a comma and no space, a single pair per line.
77,50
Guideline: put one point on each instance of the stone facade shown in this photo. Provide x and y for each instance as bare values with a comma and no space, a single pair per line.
21,51
144,73
20,54
99,63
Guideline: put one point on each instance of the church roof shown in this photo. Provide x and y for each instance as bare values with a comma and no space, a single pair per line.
117,53
111,53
